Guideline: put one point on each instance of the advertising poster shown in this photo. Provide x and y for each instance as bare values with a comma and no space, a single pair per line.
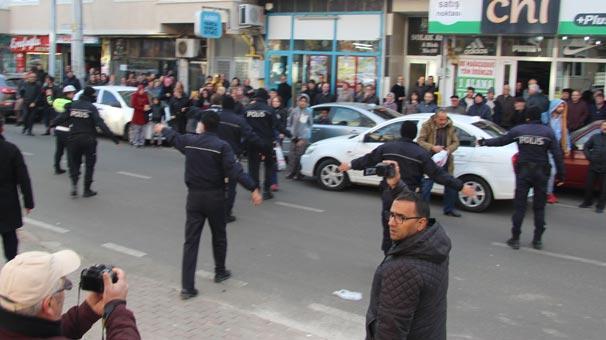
479,74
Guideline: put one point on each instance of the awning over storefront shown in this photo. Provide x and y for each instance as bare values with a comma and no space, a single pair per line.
517,17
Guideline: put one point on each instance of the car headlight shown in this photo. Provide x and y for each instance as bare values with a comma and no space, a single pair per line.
310,149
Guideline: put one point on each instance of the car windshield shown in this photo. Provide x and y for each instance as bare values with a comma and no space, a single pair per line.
127,96
385,113
490,128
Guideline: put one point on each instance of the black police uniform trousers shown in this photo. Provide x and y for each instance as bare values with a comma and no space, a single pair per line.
530,175
60,147
29,115
78,146
202,205
593,177
10,243
254,163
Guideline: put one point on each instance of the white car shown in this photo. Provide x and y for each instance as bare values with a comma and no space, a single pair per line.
113,103
489,170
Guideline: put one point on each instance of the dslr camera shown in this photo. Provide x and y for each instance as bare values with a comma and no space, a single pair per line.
381,170
91,278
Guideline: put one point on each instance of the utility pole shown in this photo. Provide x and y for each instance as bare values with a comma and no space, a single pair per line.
52,39
77,43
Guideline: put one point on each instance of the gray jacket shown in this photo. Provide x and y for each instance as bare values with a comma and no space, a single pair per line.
300,123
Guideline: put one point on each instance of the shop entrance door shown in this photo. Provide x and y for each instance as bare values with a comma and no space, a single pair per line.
538,70
420,68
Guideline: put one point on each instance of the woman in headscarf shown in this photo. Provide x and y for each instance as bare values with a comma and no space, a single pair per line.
140,104
390,101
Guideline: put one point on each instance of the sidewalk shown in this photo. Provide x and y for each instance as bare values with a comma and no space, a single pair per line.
161,314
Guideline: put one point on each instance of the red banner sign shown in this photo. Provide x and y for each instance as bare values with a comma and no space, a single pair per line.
25,44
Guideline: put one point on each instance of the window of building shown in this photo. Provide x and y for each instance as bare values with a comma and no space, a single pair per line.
527,46
420,42
580,76
476,46
583,47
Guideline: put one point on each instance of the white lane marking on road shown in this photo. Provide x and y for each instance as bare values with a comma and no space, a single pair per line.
231,282
556,255
347,316
566,205
44,225
26,153
302,207
123,249
133,175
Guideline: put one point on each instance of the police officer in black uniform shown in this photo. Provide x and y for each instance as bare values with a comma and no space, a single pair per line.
209,160
532,170
83,118
413,161
263,122
235,130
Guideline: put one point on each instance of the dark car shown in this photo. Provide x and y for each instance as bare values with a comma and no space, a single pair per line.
576,163
8,95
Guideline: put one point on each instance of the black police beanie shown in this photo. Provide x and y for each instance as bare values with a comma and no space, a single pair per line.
89,91
261,94
533,113
408,130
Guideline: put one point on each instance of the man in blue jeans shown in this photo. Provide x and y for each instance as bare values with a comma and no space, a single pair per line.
439,134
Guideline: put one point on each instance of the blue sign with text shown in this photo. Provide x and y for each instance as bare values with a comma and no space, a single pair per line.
208,25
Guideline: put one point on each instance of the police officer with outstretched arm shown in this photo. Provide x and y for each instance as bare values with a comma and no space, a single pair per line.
413,161
234,129
532,170
83,118
209,160
60,105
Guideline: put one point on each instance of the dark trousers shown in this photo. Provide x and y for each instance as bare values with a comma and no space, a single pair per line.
60,146
592,177
230,197
10,242
200,206
254,163
450,194
530,175
48,116
82,146
29,114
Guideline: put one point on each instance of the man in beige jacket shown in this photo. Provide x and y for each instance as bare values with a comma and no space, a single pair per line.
439,134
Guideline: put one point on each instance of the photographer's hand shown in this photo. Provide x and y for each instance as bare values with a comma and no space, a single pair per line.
95,302
114,291
392,182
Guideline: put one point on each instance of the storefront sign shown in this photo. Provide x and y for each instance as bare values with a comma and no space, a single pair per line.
25,44
479,74
565,17
67,39
208,25
419,41
476,46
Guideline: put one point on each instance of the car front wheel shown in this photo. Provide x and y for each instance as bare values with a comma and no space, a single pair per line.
483,198
329,176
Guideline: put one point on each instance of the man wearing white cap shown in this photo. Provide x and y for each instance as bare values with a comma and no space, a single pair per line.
62,131
32,293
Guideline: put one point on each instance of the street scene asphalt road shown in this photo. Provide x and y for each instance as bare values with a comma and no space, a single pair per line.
290,254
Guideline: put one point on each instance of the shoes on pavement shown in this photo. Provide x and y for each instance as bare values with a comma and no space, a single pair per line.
453,213
30,134
552,199
89,193
290,176
46,133
599,210
275,187
230,219
187,294
222,276
267,195
74,192
298,177
59,171
513,243
585,205
538,245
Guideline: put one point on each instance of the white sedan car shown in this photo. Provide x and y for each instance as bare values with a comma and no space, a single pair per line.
489,170
113,103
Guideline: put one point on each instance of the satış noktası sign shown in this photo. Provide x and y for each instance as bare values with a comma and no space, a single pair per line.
479,74
566,17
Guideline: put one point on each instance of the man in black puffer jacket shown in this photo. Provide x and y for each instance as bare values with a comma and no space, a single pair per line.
595,152
408,297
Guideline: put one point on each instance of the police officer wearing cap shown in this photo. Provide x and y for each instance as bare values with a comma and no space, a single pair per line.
413,161
532,170
209,160
234,129
83,118
263,122
60,105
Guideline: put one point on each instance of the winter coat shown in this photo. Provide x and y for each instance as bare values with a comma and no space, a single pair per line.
597,113
345,96
73,81
577,115
281,117
322,98
559,124
410,108
595,152
138,103
481,110
505,117
371,100
157,113
285,91
73,325
539,100
427,108
179,115
427,139
300,123
408,296
393,105
13,174
31,93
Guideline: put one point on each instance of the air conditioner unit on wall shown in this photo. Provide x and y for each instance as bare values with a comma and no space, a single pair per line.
251,15
187,48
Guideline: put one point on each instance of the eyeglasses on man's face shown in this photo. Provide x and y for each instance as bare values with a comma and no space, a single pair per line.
399,218
66,284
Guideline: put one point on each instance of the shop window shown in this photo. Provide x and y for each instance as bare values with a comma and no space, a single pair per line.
358,46
355,70
580,76
527,47
420,42
313,45
476,45
278,45
583,47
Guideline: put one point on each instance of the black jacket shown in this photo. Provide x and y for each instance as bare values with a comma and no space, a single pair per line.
413,160
83,118
534,141
282,120
409,288
285,91
208,161
538,100
73,81
179,116
262,120
595,151
31,93
13,174
322,98
235,130
157,113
